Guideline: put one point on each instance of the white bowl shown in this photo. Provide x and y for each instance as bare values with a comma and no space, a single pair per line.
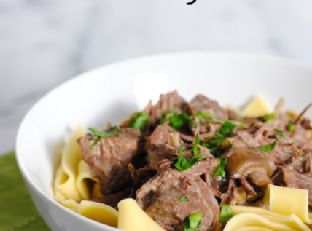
112,92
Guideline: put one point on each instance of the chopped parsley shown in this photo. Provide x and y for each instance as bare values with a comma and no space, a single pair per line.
278,133
176,120
105,134
182,163
226,129
219,143
221,168
226,213
139,120
204,115
183,198
193,222
113,130
202,118
195,147
267,117
267,148
291,127
197,156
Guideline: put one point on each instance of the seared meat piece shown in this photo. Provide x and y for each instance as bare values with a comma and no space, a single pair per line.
201,103
114,198
171,101
109,158
159,197
308,163
140,176
162,144
293,179
251,163
297,164
301,164
205,169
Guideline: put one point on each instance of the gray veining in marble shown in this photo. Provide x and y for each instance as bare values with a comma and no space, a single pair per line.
44,42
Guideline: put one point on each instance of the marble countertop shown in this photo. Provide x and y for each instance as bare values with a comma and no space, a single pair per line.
44,42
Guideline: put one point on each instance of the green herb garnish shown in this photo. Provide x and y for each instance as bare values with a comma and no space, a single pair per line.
219,143
267,148
221,168
218,146
193,222
204,115
176,120
183,198
226,129
197,156
278,133
104,134
291,127
139,120
182,163
226,213
113,130
267,117
195,147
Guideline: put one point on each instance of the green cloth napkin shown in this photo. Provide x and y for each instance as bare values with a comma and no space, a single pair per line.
17,212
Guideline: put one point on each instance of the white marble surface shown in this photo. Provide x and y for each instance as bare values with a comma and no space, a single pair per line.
44,42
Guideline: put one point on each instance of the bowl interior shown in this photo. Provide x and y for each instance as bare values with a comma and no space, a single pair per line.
110,93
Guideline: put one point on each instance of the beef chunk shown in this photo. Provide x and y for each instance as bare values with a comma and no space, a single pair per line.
200,123
114,198
109,158
201,103
140,176
171,101
162,144
159,197
206,169
308,163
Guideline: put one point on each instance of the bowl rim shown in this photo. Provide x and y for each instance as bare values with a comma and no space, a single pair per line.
151,58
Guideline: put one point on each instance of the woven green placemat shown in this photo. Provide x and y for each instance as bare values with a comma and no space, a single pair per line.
17,211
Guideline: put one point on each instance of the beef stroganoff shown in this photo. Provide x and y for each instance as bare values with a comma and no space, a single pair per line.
190,166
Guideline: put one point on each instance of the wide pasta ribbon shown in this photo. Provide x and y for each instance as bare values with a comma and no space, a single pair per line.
288,211
71,187
286,201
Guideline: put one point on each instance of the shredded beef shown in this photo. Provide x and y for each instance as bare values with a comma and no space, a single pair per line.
293,179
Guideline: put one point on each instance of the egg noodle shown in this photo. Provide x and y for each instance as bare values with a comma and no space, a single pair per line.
287,208
71,187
